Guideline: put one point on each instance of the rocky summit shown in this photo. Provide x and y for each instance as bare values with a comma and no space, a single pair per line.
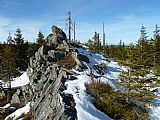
47,72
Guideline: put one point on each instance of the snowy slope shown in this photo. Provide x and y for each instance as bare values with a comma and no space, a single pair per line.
85,109
84,106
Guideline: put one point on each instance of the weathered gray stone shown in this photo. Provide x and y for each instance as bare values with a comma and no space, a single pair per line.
55,55
78,65
43,79
64,46
57,39
83,58
101,65
31,61
70,112
52,40
27,93
51,53
37,56
100,68
15,98
2,94
29,71
57,31
44,50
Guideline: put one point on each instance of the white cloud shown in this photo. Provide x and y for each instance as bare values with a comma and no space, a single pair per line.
29,28
126,27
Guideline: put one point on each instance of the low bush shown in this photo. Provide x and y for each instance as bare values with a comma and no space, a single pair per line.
114,103
27,116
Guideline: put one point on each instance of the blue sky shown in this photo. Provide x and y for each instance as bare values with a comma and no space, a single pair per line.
122,18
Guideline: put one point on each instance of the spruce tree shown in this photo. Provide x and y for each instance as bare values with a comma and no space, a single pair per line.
18,37
143,48
9,39
97,42
90,45
157,47
40,39
137,87
21,50
8,63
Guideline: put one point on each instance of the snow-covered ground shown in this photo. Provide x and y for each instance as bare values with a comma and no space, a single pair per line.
20,81
17,82
155,111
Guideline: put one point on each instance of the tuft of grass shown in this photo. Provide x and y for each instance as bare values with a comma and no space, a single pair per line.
27,116
16,105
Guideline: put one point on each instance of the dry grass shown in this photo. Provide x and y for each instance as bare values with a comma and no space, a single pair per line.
16,105
27,116
67,62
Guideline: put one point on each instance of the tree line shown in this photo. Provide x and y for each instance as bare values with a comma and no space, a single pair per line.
144,54
15,53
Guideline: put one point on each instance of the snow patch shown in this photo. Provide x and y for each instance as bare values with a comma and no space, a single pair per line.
6,106
19,112
20,81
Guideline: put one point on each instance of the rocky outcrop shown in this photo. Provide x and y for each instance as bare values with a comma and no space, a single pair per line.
58,39
47,77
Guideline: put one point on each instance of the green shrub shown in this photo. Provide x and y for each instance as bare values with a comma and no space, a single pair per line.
97,87
114,103
157,71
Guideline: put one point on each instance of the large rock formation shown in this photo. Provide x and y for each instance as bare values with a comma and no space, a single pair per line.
47,72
